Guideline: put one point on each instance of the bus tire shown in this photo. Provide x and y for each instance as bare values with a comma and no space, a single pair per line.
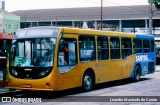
87,81
137,73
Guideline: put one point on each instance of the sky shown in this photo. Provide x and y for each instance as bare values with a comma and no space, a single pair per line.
14,5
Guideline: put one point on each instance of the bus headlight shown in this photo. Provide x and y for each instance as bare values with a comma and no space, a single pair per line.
14,72
44,72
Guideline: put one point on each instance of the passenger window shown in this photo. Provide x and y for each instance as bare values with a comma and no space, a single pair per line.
103,53
87,48
126,47
137,45
67,52
146,46
115,48
152,45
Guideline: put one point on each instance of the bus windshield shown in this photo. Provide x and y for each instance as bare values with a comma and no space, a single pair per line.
32,52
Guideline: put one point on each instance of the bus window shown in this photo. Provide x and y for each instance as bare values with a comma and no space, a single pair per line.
67,52
87,48
137,45
115,48
102,48
152,45
126,47
146,47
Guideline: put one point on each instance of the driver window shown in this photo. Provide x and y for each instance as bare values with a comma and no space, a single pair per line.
67,52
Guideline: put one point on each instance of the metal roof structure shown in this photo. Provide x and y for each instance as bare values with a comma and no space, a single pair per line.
87,14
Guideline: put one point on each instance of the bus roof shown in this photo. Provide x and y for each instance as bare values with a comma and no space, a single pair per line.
95,32
37,32
79,31
143,36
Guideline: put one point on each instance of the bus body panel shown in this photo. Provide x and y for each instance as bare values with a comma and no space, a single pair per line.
128,65
116,69
141,36
101,70
145,60
72,77
33,84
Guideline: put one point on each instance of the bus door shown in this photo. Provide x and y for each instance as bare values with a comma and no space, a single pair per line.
115,58
68,68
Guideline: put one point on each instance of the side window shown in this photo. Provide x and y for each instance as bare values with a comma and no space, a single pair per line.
103,53
126,47
67,52
152,45
146,46
87,48
115,48
137,45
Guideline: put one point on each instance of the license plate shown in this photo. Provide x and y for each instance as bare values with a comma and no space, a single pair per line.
27,85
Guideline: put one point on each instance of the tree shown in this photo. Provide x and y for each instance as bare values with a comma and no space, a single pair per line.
157,3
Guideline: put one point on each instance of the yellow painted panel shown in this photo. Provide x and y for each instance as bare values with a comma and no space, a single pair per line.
102,71
96,32
71,78
39,85
127,66
116,69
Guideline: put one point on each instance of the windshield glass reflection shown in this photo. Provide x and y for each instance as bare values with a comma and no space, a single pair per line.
32,52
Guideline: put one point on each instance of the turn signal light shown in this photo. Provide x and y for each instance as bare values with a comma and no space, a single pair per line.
48,85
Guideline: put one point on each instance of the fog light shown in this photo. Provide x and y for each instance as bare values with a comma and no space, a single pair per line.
48,85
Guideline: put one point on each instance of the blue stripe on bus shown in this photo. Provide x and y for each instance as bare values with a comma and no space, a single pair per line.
143,59
141,36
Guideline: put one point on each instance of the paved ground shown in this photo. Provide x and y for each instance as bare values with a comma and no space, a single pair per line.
102,95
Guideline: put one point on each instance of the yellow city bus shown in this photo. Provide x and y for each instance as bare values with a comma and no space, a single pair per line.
59,58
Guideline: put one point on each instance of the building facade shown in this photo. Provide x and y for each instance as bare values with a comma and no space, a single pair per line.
9,22
133,19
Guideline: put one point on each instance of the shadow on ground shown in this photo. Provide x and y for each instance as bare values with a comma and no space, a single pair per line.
47,95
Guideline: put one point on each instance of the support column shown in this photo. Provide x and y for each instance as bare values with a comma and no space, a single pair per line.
73,24
150,16
51,23
96,28
120,25
37,24
146,26
31,24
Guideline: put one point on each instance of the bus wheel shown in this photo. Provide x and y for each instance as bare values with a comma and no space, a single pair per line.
137,74
87,82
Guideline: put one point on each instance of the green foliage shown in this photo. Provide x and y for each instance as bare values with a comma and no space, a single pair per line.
157,3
